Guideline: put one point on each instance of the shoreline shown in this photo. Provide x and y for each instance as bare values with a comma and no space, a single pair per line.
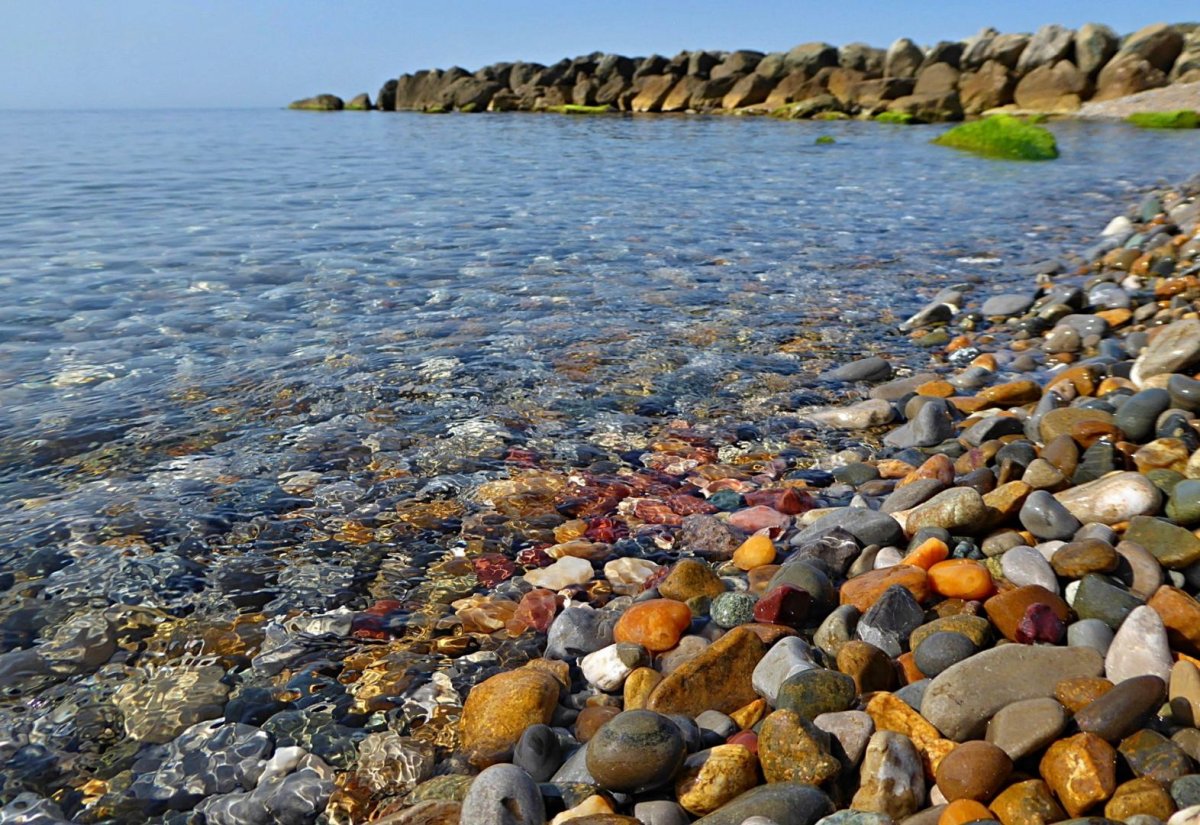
1013,481
1055,70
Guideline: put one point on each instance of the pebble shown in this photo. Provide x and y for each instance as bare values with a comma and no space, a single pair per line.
784,803
719,678
656,625
890,620
1112,499
792,749
714,777
1081,770
732,609
939,651
1091,633
499,709
1024,566
1139,648
974,770
636,751
562,573
813,692
892,778
689,578
503,795
1026,727
785,658
539,752
609,667
852,729
1047,518
1175,547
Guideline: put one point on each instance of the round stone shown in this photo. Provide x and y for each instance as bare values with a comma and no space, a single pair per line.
637,750
939,651
732,609
974,770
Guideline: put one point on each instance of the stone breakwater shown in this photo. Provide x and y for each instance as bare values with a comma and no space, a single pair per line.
1055,70
989,613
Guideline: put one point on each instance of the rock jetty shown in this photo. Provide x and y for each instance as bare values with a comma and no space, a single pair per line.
990,614
1054,69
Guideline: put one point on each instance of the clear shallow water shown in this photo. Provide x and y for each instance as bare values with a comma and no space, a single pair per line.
196,302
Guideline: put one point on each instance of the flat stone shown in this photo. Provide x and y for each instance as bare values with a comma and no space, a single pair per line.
1175,547
1137,416
1184,693
719,678
1091,633
863,591
939,651
976,628
1082,556
1140,797
1096,598
1144,574
1006,305
1176,346
1025,566
1008,609
961,700
1181,617
851,730
930,427
1139,648
689,578
873,412
503,795
892,778
958,510
868,526
784,803
872,368
1123,709
1026,727
890,620
1112,499
870,667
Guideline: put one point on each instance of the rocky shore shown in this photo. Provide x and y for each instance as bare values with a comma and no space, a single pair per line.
984,611
1054,70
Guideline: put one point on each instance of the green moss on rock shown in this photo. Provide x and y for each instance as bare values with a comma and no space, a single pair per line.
1179,119
903,118
579,109
320,103
1002,136
825,140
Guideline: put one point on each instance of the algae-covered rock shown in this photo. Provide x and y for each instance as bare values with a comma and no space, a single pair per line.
320,103
1002,136
1179,119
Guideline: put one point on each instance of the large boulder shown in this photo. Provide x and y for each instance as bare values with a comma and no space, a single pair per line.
1127,75
929,108
520,75
701,63
1095,44
810,58
842,83
680,97
862,58
975,49
360,103
1050,44
469,94
610,91
653,93
615,65
386,99
774,65
944,51
318,103
936,79
1187,65
868,94
1158,44
651,66
583,93
749,91
711,93
989,87
903,58
799,86
423,91
1007,49
1060,87
737,64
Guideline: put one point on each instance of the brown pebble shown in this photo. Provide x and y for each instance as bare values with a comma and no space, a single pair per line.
869,667
1008,608
1076,694
591,719
974,770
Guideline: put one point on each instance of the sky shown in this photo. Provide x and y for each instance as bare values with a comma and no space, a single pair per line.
91,54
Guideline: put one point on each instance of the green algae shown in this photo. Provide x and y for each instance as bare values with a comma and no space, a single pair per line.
825,140
579,109
903,118
1178,119
1002,136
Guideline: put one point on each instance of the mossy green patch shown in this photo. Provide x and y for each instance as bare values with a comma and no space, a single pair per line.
1037,117
579,109
824,140
894,117
1179,119
1002,136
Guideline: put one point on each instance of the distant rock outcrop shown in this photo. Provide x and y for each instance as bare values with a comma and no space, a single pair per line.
319,103
1055,69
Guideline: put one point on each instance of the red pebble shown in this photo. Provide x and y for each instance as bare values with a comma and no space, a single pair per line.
789,501
534,557
493,568
536,610
753,519
686,505
748,739
1040,624
606,530
786,605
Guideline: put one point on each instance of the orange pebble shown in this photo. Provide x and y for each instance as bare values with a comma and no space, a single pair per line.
961,579
928,553
754,552
656,624
961,811
908,668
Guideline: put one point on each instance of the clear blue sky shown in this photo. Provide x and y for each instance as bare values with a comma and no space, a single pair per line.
161,53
